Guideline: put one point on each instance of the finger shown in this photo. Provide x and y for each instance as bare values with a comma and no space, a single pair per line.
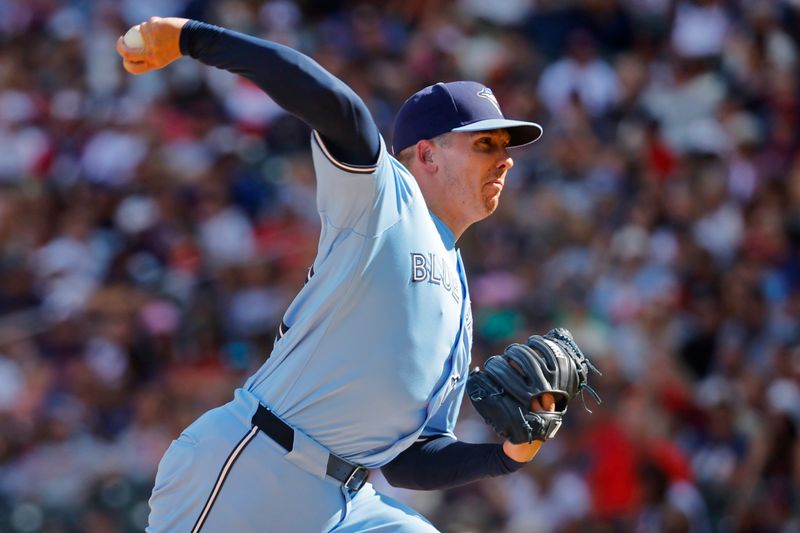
150,29
135,67
548,402
543,403
129,54
536,405
120,46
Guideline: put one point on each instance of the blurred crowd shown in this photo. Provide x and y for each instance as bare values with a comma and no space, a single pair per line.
153,230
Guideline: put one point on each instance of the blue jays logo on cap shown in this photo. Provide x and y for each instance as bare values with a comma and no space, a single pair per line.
456,106
489,95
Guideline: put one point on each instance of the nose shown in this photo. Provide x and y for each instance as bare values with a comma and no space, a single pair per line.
505,162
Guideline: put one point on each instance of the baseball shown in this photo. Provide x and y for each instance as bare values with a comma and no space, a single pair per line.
133,38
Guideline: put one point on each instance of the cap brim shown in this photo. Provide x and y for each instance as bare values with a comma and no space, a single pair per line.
521,133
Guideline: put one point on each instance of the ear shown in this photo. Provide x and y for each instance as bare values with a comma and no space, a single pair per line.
425,152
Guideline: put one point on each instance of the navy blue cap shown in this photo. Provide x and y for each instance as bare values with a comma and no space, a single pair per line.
455,106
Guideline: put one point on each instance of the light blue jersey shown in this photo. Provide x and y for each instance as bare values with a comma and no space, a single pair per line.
373,353
378,342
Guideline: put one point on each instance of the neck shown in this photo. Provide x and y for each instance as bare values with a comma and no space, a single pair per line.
440,209
440,203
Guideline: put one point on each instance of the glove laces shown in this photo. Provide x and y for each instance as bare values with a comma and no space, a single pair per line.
592,392
567,339
525,425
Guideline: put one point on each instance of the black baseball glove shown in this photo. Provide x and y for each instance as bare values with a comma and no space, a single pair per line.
503,390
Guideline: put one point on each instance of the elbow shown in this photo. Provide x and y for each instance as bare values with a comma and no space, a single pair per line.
341,101
394,477
400,478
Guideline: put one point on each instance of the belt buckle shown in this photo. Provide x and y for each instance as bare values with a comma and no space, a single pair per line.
358,478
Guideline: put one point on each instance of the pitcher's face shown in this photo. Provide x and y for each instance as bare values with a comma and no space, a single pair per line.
474,167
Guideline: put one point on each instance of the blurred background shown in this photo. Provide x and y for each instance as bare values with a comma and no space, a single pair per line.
153,229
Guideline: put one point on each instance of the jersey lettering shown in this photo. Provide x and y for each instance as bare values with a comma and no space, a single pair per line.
418,271
435,270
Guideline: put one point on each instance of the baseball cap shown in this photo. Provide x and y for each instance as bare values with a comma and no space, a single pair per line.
455,106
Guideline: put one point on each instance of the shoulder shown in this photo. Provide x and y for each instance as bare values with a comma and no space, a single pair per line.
318,147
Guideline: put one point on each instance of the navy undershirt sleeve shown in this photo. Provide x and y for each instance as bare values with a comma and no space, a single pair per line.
296,82
442,462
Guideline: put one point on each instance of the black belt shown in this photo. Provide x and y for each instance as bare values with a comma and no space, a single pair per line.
353,477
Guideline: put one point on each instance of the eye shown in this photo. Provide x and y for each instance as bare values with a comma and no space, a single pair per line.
488,142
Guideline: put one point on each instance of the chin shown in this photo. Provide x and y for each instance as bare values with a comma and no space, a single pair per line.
491,205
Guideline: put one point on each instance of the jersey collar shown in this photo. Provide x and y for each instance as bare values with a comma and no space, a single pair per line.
448,237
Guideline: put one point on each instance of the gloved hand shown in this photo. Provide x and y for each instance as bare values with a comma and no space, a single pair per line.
503,390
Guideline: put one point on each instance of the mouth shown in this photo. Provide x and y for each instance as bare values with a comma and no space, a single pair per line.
496,185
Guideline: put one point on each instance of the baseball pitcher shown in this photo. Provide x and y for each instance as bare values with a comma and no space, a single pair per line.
372,357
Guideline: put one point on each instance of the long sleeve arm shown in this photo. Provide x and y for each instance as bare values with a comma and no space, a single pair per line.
443,462
296,82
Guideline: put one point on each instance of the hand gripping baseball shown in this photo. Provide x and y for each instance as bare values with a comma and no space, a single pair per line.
161,39
503,390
